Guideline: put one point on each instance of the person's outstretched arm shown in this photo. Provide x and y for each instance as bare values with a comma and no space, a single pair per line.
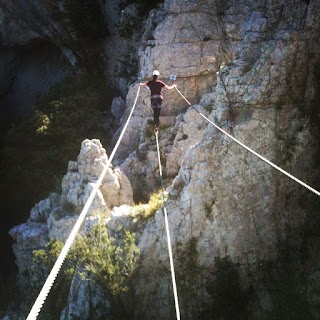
143,84
170,87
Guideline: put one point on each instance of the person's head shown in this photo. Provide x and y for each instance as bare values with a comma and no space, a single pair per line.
155,74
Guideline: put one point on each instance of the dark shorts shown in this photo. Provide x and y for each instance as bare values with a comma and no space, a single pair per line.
156,102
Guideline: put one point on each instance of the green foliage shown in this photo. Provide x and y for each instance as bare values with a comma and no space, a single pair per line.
108,264
149,131
36,149
43,263
164,126
48,256
288,287
209,108
145,211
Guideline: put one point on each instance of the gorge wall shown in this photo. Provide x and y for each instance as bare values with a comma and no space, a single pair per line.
30,64
253,68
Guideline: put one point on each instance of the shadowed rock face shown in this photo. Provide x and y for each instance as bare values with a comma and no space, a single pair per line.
30,60
26,72
265,95
221,197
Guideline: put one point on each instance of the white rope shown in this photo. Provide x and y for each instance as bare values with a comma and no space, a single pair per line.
174,285
253,152
57,266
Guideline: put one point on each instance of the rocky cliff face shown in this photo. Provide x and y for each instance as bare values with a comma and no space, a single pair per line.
223,202
41,42
30,63
54,217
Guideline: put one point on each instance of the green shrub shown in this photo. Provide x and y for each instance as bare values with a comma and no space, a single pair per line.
36,149
164,126
209,108
189,274
44,260
145,211
109,265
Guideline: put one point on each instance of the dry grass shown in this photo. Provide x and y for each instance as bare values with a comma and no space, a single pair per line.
144,211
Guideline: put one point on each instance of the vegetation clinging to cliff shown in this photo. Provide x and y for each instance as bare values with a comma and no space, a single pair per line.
145,211
37,148
110,265
131,24
85,21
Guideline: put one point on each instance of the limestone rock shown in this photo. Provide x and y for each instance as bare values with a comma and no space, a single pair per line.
28,237
60,228
117,108
189,41
40,212
86,300
78,182
222,199
189,131
222,196
120,219
58,213
26,55
12,32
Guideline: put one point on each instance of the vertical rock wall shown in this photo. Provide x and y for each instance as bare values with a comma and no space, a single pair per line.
265,95
223,201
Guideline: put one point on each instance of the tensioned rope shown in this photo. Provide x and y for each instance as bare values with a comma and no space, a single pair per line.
252,151
174,285
57,266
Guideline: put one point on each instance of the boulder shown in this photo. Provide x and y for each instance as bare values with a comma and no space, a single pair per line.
82,174
28,237
41,211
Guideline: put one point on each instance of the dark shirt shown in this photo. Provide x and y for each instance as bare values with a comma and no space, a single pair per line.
155,86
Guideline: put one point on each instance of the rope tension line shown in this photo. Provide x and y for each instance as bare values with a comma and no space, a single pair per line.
252,151
174,285
34,312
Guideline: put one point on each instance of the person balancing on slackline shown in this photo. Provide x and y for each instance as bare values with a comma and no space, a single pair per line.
155,86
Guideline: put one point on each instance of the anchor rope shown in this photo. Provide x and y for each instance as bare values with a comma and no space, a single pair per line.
36,308
252,151
173,277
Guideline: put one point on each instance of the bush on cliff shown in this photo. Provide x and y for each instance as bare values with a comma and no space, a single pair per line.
109,264
36,149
